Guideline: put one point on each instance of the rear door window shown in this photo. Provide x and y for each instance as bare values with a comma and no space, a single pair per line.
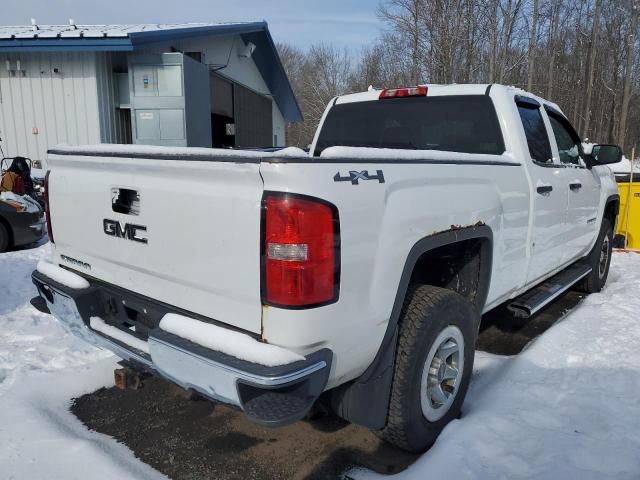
466,124
536,133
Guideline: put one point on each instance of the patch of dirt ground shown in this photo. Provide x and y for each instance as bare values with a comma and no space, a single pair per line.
189,440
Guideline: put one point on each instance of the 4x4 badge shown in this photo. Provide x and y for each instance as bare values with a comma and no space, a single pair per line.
354,177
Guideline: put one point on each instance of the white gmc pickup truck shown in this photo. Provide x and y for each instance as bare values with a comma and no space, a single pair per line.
353,277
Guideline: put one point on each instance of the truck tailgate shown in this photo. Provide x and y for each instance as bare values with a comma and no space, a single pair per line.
201,247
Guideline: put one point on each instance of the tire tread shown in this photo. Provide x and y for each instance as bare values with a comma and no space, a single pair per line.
420,299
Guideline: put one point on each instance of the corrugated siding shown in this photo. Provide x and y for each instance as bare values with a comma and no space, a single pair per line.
115,124
63,106
106,97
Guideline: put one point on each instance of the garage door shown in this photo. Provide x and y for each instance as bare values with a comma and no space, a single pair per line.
253,121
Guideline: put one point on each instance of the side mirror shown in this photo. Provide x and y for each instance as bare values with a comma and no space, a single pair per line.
605,154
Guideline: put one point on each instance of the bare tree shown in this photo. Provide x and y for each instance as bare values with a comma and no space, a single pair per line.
593,48
582,54
533,40
628,75
555,22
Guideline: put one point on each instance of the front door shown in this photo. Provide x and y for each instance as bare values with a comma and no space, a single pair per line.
583,188
549,232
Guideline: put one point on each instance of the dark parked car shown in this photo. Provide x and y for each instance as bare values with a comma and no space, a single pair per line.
21,221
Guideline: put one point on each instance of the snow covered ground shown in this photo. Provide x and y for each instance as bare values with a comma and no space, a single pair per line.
567,407
41,369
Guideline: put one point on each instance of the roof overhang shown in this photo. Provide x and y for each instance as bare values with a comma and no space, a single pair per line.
267,60
30,45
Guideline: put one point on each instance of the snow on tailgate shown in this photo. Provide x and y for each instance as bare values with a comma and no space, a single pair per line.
567,407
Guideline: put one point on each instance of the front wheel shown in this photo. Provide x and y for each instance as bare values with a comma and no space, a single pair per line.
599,259
434,360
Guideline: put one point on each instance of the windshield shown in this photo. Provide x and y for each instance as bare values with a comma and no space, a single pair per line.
467,124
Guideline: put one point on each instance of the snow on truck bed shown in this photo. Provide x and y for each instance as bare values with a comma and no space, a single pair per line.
111,149
567,407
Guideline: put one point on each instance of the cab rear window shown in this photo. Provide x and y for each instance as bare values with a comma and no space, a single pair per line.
466,124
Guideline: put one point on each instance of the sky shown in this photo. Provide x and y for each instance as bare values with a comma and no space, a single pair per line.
344,23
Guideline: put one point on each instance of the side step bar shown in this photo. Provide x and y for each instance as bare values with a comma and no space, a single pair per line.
529,303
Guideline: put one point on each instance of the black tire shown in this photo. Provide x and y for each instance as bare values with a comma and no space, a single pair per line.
600,252
5,240
427,314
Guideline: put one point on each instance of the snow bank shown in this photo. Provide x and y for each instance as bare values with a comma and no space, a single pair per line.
587,147
99,325
567,407
41,368
60,275
624,166
42,439
227,341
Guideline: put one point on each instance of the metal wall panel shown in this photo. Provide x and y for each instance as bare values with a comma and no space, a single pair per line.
172,124
221,95
253,118
147,125
279,127
170,93
221,54
170,81
48,98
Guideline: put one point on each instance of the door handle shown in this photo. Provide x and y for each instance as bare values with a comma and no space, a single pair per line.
544,189
575,186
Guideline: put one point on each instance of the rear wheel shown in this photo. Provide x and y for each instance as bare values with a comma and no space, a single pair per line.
434,360
599,259
4,238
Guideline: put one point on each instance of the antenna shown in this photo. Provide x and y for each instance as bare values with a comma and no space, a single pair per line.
34,25
72,24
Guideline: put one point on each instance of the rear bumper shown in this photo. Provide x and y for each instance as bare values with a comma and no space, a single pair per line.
272,396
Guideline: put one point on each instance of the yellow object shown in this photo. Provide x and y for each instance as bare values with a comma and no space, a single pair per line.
8,181
629,222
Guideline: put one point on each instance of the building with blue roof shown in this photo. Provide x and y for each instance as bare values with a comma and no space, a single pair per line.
204,84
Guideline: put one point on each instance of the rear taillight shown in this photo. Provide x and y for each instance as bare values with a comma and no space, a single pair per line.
418,91
301,248
47,208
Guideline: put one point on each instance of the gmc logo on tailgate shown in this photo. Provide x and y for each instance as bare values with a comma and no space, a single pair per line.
128,231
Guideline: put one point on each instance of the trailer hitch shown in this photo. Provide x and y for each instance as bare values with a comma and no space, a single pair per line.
127,378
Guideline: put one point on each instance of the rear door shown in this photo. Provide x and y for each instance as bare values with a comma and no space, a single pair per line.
549,190
583,187
183,232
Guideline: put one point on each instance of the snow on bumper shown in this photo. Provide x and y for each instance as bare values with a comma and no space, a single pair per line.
275,394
